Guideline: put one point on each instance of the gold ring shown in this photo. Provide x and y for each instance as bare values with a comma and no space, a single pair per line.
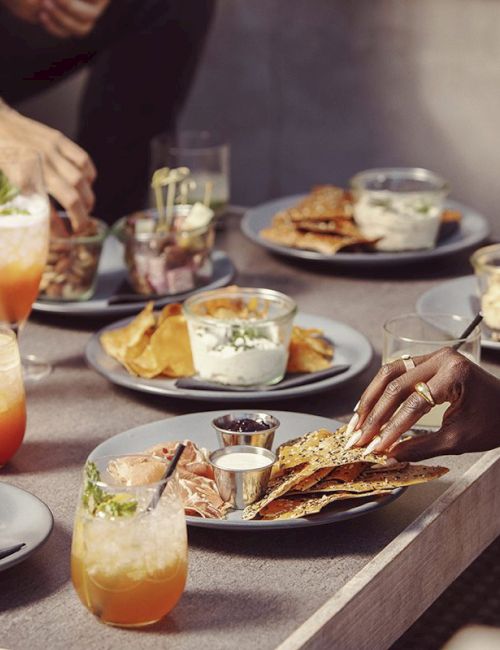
408,362
422,389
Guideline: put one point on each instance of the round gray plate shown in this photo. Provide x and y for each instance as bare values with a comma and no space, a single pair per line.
351,347
23,518
474,228
459,296
292,426
112,275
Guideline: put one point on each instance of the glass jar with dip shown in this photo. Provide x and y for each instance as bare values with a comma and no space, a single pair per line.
240,337
486,264
242,473
399,206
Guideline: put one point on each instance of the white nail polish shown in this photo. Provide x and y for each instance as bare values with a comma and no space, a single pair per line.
372,446
352,424
355,409
353,439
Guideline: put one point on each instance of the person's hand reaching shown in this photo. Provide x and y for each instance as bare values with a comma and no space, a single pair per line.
70,18
390,406
27,10
68,170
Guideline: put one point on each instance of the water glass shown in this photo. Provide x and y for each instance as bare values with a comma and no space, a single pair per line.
416,334
206,155
12,399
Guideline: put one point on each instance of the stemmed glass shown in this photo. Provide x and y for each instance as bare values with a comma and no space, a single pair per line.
12,400
24,242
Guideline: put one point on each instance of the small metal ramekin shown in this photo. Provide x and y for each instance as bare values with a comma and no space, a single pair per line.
241,487
263,438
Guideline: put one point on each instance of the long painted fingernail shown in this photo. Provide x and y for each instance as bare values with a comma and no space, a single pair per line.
372,446
355,409
353,439
390,462
352,424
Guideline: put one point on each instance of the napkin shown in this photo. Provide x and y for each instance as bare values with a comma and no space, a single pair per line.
290,380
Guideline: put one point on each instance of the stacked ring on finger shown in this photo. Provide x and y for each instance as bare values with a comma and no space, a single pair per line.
423,389
408,362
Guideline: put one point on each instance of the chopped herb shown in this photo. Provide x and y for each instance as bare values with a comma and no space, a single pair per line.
381,203
8,191
96,501
241,337
5,212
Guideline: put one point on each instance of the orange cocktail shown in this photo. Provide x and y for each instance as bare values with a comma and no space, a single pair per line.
12,402
24,237
128,563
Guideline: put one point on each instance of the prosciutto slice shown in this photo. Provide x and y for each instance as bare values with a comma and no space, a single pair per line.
198,490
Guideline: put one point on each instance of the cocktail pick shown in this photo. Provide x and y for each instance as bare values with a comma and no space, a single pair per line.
176,176
468,330
160,176
209,186
168,473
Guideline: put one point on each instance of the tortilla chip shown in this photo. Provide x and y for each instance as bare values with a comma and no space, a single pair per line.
295,507
117,342
308,351
168,352
340,226
379,480
308,482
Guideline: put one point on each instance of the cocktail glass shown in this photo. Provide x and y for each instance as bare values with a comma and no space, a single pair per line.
12,401
128,559
416,334
207,157
24,241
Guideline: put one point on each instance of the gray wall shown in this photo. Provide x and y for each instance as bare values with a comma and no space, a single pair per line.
311,91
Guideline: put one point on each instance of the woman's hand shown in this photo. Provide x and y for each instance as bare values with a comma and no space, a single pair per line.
68,170
390,406
71,18
27,10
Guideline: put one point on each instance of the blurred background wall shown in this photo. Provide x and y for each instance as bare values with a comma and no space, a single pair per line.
311,91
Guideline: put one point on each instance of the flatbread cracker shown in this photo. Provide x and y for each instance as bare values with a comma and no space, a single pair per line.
295,507
378,480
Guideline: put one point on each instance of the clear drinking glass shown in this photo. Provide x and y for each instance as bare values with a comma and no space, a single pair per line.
12,400
207,157
416,334
486,263
24,242
128,558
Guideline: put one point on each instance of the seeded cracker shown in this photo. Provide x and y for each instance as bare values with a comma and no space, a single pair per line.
295,507
317,450
380,480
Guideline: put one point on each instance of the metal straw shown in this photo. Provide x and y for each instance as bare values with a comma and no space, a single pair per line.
168,473
468,330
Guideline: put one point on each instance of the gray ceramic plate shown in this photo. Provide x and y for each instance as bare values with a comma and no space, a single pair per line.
474,228
459,296
351,348
23,518
198,424
112,276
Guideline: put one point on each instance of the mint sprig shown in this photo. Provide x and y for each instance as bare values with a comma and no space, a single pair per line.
8,191
96,501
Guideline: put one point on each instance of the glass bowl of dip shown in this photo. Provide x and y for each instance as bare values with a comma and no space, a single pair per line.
70,273
486,264
168,262
399,206
242,473
240,337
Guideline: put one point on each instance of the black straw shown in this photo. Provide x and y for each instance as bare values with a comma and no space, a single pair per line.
168,473
468,330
